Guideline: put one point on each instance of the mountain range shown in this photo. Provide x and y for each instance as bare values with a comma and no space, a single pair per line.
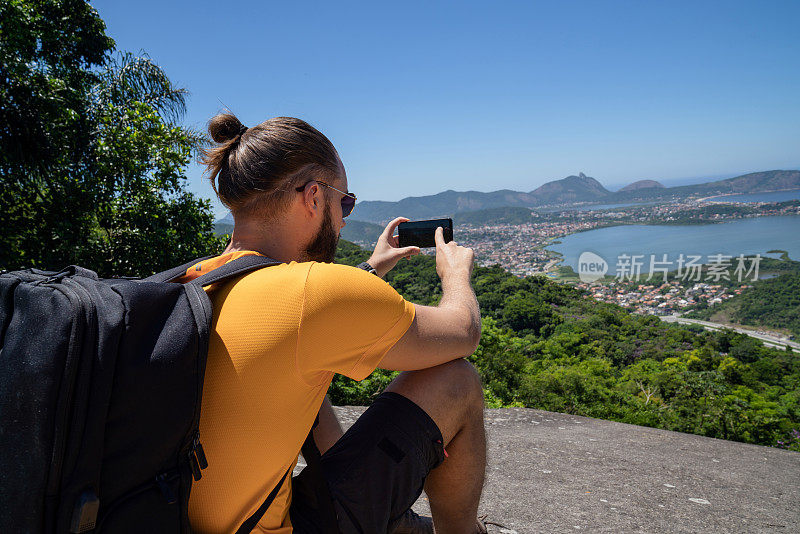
580,189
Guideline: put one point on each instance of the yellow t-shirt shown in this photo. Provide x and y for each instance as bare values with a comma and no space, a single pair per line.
279,334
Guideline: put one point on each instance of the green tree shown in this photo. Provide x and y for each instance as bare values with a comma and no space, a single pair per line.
524,312
585,389
93,157
49,53
144,219
501,362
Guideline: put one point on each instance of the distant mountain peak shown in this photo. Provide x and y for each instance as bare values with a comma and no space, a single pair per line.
580,188
642,184
228,219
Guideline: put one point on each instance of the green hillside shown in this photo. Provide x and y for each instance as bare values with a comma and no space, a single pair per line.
361,232
549,346
222,228
507,215
771,303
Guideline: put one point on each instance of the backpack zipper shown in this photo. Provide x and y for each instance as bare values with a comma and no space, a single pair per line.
80,396
197,457
72,364
163,484
201,307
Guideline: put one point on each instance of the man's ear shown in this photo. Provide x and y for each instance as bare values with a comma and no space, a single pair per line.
310,200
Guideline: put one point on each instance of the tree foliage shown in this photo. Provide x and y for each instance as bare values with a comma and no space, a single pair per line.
93,157
772,303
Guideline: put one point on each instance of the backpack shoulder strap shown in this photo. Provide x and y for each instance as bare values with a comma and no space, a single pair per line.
312,457
234,268
175,272
251,522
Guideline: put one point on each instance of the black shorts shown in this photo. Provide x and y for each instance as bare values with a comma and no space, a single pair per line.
375,472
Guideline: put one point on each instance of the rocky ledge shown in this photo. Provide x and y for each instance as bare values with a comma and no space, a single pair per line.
551,472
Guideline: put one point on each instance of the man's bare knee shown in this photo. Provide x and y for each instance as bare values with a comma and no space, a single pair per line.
455,381
451,393
462,382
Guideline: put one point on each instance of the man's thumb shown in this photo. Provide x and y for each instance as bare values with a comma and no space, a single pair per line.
408,251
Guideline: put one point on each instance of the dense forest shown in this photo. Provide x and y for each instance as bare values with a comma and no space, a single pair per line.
550,346
772,303
92,152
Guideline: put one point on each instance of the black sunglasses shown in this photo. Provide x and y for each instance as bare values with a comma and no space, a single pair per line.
348,200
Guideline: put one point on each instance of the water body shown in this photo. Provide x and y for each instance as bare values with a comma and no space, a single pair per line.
775,196
745,236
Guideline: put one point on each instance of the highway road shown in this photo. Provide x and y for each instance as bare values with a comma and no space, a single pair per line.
770,339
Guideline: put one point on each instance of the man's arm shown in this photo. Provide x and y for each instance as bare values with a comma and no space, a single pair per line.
445,332
329,429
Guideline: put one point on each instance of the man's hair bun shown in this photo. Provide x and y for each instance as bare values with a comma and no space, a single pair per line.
257,173
224,127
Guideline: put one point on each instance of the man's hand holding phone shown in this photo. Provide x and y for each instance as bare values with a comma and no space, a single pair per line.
455,322
452,260
388,251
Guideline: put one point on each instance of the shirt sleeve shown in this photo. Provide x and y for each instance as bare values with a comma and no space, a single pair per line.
350,319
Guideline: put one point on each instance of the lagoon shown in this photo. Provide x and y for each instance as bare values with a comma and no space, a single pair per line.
756,235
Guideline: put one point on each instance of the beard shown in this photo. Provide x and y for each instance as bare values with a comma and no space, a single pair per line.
322,247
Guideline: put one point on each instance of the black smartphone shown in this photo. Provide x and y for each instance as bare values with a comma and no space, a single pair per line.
421,233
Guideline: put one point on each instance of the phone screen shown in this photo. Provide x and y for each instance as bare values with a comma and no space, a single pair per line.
421,233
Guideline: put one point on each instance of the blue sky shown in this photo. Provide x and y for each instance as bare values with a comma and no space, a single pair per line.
420,97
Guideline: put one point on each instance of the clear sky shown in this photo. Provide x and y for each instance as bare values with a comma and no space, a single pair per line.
420,97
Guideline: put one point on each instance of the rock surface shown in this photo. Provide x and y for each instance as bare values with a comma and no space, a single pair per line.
551,472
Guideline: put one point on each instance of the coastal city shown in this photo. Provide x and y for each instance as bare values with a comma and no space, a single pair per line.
523,250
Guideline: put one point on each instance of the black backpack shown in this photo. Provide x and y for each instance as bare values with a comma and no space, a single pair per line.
100,389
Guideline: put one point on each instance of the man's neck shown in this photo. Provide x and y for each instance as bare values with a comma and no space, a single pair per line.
273,242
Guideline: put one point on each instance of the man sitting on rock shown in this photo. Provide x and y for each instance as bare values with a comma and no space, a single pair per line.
281,333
